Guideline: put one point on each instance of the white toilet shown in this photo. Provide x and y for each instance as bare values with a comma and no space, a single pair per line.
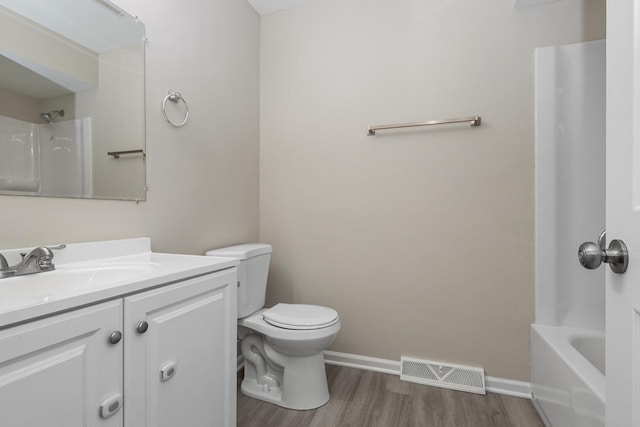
282,346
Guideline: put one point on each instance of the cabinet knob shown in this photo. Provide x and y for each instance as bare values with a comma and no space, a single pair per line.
115,337
142,327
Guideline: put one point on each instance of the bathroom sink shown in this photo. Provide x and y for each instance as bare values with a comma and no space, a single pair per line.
76,278
86,273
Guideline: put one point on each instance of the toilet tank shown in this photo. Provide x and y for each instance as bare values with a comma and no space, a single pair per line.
252,274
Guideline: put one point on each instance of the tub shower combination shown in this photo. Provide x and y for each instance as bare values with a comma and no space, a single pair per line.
567,338
50,159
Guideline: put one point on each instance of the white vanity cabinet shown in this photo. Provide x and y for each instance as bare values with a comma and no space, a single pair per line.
174,365
180,354
56,372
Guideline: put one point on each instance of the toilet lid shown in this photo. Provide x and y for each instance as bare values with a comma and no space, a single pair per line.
300,316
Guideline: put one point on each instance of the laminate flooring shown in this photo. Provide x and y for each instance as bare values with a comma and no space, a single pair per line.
370,399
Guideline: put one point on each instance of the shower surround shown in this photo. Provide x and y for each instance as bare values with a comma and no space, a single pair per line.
52,159
567,338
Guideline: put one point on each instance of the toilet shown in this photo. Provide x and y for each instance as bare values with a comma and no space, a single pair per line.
282,346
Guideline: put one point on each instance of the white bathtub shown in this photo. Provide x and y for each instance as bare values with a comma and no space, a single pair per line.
568,376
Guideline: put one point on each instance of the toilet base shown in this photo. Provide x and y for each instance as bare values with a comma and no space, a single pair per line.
301,386
284,366
251,388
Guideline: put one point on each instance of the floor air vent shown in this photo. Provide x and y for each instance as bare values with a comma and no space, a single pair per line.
456,377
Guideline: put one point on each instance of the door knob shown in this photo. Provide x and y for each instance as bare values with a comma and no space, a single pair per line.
592,255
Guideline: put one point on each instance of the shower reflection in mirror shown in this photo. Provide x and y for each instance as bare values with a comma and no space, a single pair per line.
64,107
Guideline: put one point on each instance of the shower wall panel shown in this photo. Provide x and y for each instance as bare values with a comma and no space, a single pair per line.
570,182
19,155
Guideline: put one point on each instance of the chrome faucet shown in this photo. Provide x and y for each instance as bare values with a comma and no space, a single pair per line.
38,260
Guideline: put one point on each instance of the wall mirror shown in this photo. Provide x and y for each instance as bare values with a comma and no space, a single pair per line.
72,120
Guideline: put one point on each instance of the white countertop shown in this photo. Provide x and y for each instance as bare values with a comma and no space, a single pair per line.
87,273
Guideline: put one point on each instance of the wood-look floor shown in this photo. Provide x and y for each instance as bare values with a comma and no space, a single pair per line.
367,399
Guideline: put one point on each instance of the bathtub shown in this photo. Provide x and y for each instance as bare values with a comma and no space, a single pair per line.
568,375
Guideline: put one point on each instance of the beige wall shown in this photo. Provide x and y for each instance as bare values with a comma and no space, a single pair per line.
19,106
422,240
203,178
117,127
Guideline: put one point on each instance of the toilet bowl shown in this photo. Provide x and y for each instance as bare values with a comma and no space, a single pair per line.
282,346
291,373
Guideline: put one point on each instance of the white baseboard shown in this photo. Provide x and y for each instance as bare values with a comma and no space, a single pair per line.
493,384
508,387
362,362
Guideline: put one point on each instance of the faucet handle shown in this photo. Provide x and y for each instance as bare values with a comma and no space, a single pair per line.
44,248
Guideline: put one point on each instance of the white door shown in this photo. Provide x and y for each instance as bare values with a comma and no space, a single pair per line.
180,354
623,212
59,371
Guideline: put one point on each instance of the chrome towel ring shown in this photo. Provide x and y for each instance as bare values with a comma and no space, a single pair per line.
174,97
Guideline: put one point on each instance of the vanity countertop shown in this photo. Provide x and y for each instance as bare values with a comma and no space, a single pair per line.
88,273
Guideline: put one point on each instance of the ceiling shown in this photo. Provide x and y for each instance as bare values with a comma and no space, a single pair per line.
88,23
264,7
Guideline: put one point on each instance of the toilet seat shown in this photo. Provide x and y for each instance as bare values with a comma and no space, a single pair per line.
300,316
257,323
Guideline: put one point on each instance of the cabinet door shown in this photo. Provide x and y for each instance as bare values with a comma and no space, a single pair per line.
57,371
181,370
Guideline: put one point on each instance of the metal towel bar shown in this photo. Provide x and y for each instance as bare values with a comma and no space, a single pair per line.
116,154
474,121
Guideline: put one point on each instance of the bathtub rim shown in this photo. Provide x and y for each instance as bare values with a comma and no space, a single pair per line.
558,338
